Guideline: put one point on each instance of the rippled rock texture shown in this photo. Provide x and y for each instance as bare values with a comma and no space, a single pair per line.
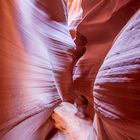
41,66
36,56
116,89
95,34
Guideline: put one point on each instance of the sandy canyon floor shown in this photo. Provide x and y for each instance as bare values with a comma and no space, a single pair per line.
70,127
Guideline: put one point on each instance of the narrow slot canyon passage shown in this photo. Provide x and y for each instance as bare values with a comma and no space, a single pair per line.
69,69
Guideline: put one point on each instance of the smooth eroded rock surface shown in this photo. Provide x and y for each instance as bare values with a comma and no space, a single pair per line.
117,86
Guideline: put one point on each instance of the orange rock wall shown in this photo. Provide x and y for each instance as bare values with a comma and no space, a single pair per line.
101,23
36,56
116,89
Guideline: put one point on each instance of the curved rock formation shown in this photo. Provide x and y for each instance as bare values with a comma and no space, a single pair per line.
101,23
40,66
116,90
36,56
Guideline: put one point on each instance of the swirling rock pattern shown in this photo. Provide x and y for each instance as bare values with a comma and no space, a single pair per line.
36,56
101,23
116,89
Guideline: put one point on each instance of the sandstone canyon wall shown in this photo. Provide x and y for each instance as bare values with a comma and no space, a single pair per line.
116,89
101,22
36,56
40,66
